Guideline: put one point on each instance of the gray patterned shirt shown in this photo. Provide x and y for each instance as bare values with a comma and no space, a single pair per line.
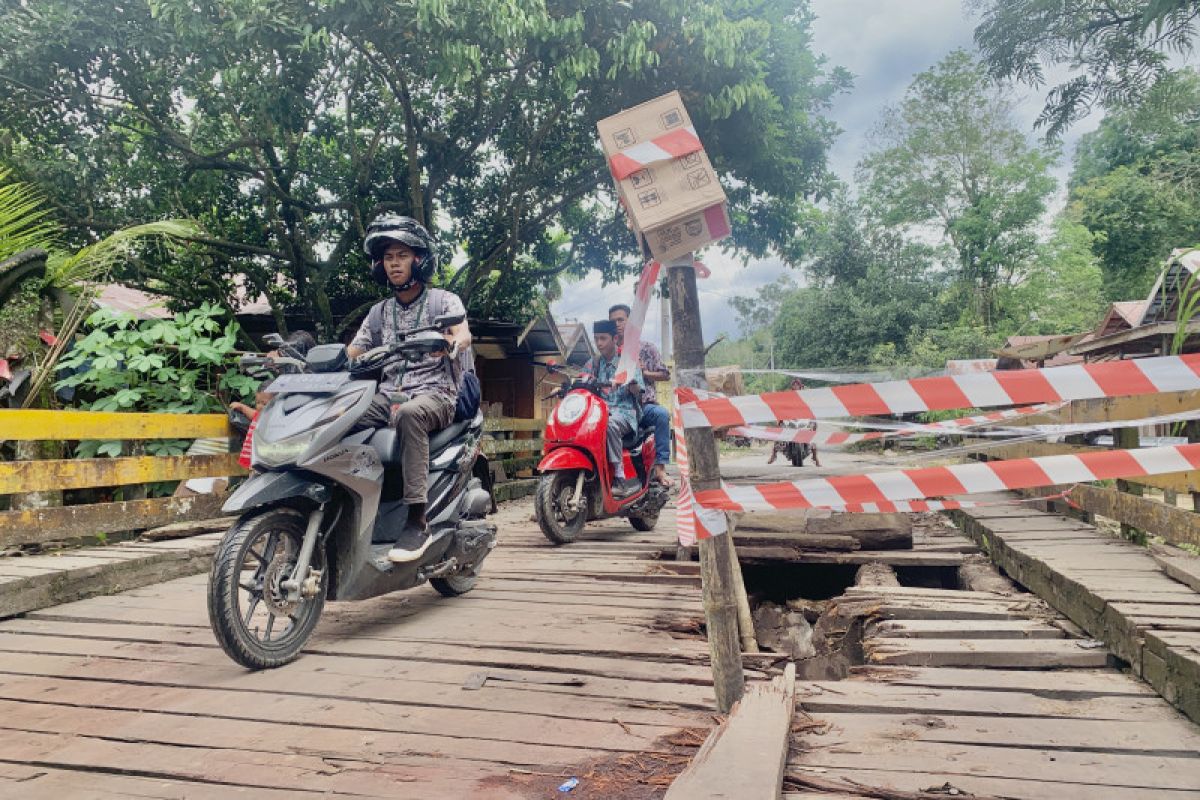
434,374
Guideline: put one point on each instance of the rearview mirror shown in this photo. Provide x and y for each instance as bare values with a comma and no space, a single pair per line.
448,320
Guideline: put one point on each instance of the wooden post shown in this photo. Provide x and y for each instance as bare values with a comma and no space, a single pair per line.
1193,435
718,561
1127,439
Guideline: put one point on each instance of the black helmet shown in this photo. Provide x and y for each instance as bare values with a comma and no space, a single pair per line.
388,228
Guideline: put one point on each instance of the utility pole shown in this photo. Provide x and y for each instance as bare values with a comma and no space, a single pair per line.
718,561
664,310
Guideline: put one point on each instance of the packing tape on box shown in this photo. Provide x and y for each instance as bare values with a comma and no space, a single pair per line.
673,144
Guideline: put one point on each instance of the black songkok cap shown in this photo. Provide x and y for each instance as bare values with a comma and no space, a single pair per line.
604,326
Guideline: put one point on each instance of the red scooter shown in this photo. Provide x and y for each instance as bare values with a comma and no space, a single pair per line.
576,482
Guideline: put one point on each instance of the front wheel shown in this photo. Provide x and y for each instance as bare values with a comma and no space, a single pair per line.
551,506
645,523
249,610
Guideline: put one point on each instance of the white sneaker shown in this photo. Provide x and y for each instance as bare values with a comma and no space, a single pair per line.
411,545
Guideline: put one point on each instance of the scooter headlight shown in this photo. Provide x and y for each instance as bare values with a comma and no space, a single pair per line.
288,449
570,409
284,451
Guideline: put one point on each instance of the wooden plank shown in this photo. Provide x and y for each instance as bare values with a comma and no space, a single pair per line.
1071,684
497,446
502,424
513,490
1115,409
745,756
82,473
968,629
1006,653
1175,481
868,697
95,576
1175,525
72,522
1110,775
1184,569
30,425
1169,735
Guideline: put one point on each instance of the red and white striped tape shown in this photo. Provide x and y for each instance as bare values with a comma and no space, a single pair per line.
838,438
692,523
976,390
806,436
675,144
631,346
901,486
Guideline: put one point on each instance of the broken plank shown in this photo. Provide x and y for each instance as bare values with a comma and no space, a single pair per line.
745,756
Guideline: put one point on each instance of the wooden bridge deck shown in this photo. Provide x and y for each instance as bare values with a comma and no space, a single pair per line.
590,666
128,695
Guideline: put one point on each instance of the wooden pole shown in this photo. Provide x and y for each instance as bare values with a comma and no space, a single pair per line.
718,562
1127,439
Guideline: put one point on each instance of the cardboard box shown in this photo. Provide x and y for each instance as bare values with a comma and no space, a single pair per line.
664,178
678,237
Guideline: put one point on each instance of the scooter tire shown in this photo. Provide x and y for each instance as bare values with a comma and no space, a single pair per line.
644,524
225,612
453,585
550,489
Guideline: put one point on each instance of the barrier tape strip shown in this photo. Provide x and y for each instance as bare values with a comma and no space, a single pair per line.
679,142
960,425
977,390
692,523
898,486
631,345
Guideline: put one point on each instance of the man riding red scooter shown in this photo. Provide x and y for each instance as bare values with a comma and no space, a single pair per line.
597,462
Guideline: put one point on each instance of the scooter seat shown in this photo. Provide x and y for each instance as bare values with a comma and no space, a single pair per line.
386,441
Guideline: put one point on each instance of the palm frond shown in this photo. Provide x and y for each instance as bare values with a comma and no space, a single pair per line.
24,219
96,261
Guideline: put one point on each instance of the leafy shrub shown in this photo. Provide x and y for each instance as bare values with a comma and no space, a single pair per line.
182,365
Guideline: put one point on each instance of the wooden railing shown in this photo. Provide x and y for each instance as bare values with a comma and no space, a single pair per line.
1132,503
513,445
36,525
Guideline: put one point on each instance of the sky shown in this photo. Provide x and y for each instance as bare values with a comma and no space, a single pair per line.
884,43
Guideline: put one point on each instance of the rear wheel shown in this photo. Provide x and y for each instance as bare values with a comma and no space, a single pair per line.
254,621
453,585
554,493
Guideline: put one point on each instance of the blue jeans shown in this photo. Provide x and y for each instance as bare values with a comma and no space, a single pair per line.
657,417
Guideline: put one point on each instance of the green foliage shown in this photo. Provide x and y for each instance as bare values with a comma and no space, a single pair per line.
283,126
949,157
183,365
23,218
1063,288
1136,184
1119,48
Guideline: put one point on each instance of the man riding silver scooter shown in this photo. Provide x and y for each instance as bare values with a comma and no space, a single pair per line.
322,513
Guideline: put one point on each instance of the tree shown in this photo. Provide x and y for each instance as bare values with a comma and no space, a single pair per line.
1121,46
1136,184
282,126
1063,289
949,158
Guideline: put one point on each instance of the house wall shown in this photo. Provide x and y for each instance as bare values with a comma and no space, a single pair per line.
510,382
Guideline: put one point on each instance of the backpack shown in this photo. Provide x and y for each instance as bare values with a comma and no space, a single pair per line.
470,391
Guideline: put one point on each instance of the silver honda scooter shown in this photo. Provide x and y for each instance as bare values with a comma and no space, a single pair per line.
324,504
